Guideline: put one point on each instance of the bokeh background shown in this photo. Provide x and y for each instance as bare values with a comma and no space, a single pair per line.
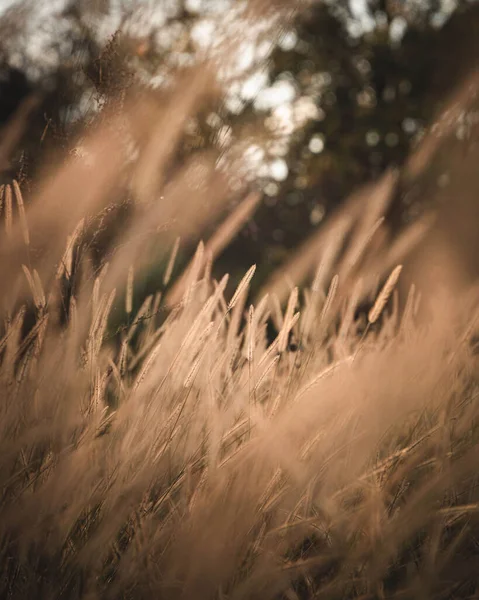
317,99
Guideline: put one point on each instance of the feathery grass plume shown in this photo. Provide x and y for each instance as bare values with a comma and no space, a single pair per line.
73,316
129,290
237,431
8,210
39,289
99,384
171,261
333,288
384,295
309,446
208,307
31,347
291,325
103,320
147,366
288,317
189,340
417,304
261,310
208,265
197,491
21,212
122,360
266,371
155,307
143,313
31,343
223,305
193,372
95,297
2,196
273,347
12,337
194,272
251,338
65,267
35,286
329,370
242,287
235,336
150,319
273,484
99,324
3,340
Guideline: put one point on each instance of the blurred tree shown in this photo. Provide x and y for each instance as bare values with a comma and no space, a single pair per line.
376,89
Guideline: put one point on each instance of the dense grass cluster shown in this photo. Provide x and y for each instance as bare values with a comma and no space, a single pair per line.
185,454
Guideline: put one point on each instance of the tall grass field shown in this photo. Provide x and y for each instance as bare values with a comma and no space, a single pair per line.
168,447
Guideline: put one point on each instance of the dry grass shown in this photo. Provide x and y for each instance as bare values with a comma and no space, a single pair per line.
185,456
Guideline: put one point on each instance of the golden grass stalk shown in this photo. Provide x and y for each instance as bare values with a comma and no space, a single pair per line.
21,212
266,371
35,286
288,317
329,370
12,343
273,347
242,287
129,290
142,314
333,288
171,261
39,289
195,271
8,210
193,372
384,295
147,366
66,263
251,334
